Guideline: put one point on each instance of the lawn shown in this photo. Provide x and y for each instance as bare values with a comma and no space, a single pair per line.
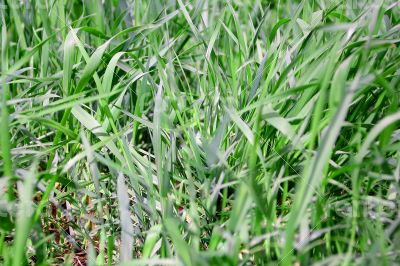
201,132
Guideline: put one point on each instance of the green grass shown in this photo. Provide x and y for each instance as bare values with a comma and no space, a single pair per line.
200,132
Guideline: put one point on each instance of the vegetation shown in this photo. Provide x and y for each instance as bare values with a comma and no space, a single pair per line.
198,132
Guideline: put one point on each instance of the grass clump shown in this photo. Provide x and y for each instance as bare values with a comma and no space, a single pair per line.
199,132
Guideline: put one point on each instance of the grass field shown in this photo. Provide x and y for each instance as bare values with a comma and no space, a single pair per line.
202,132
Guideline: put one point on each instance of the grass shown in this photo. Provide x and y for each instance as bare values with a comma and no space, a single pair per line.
200,132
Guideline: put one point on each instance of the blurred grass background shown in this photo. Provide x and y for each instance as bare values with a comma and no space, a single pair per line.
199,132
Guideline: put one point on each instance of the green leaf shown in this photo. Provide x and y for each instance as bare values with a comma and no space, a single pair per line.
244,128
181,247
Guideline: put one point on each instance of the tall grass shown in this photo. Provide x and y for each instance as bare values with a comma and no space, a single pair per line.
200,132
